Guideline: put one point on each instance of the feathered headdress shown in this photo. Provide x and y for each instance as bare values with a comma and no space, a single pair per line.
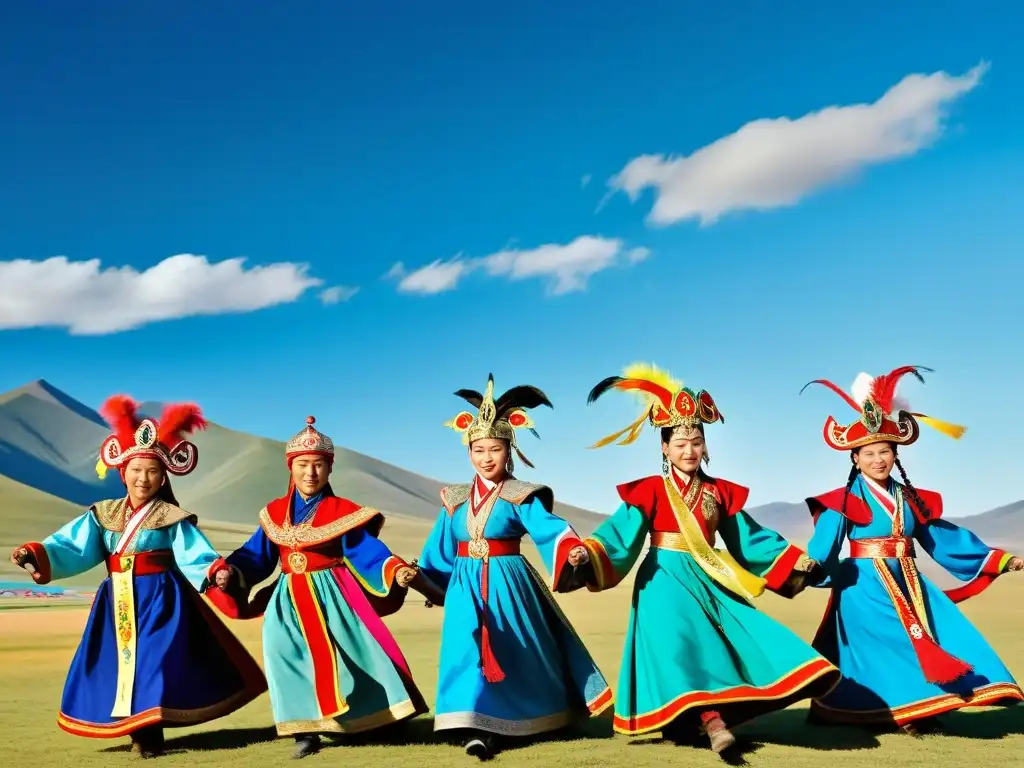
498,418
666,403
309,441
165,440
884,417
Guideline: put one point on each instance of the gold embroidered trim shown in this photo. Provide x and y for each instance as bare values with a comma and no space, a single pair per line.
979,697
392,714
111,515
449,720
307,534
511,490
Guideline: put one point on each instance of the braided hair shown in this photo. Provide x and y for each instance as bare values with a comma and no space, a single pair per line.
854,474
914,495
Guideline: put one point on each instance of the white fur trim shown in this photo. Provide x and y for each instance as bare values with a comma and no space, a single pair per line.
861,387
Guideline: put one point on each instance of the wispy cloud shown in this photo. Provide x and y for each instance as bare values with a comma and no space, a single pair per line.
566,268
585,180
771,163
337,293
90,300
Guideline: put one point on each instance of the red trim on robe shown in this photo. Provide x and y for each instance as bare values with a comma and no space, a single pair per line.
44,572
329,510
778,574
990,571
220,564
648,495
321,650
858,511
560,558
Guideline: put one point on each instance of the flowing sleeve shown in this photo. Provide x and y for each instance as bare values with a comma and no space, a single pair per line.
964,555
826,543
762,551
438,556
552,535
256,559
193,554
74,549
615,546
371,562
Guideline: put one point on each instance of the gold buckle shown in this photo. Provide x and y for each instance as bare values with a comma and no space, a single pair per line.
127,563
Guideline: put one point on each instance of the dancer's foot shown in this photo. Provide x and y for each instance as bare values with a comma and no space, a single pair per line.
923,726
479,746
148,742
720,736
305,746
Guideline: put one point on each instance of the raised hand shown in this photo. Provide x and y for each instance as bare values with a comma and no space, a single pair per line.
578,556
1015,564
21,557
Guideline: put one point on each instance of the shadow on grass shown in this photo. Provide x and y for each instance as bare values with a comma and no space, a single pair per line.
985,725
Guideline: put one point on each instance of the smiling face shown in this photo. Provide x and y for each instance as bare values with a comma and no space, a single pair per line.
876,461
143,478
490,458
684,451
310,474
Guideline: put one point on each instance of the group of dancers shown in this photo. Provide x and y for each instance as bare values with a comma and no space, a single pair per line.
699,659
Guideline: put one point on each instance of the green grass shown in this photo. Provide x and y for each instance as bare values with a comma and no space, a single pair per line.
36,647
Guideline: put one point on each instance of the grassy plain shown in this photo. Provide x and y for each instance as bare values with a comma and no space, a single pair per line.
36,646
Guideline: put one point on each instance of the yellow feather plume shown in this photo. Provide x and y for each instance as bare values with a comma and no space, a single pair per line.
101,469
954,431
652,373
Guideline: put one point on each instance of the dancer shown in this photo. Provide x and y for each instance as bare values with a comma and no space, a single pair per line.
153,654
698,658
332,665
906,652
511,663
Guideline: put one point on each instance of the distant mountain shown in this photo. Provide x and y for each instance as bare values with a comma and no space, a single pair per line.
49,441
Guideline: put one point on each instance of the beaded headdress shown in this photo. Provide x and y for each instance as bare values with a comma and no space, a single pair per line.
666,403
309,442
498,418
163,439
884,417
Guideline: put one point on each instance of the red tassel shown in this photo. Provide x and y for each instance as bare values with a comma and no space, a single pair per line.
939,667
493,672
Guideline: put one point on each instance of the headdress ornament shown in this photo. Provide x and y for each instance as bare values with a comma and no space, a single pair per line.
309,441
666,403
498,418
884,417
164,439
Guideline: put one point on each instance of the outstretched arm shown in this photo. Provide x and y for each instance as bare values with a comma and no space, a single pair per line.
437,560
561,550
825,545
965,556
765,553
74,549
195,557
615,546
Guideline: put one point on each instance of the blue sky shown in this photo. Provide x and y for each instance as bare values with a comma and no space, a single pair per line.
351,140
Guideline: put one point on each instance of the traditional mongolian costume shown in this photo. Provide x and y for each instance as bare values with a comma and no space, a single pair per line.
153,653
698,655
906,651
511,663
332,665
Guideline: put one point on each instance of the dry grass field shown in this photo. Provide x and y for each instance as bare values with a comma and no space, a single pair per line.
36,646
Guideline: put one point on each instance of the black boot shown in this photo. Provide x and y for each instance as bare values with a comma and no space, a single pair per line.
148,742
308,744
479,745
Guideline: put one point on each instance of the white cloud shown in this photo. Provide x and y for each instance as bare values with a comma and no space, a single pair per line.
771,163
89,300
585,180
337,293
565,267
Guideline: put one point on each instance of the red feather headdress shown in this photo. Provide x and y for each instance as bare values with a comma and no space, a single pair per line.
884,417
165,439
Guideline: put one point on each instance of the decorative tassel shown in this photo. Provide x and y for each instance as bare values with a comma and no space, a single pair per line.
493,672
954,431
939,667
101,470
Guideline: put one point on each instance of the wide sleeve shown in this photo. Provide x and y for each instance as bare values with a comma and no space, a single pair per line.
371,562
964,555
762,551
193,554
553,536
74,549
437,560
615,546
256,559
826,544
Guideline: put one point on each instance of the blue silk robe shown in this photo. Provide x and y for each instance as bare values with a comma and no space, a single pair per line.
153,644
549,676
882,657
332,664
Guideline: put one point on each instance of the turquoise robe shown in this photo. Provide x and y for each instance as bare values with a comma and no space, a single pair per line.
696,645
152,652
550,677
883,680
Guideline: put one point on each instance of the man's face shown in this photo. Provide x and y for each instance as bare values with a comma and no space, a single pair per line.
310,474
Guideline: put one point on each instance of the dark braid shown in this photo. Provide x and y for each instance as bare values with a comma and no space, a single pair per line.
854,472
914,495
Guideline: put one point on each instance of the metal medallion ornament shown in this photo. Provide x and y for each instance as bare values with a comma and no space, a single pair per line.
297,562
479,549
872,416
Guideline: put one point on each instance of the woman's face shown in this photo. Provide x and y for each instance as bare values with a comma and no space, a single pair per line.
876,461
684,453
143,477
490,458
